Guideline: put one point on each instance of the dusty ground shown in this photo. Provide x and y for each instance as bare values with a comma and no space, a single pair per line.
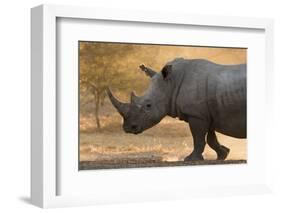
169,141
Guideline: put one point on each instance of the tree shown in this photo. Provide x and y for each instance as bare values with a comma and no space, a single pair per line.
100,67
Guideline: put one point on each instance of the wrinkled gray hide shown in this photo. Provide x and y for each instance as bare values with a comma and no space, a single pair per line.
210,97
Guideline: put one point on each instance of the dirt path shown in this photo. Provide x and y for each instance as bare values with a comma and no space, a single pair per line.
140,163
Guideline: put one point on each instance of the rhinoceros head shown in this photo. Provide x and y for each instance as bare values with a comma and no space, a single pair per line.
145,111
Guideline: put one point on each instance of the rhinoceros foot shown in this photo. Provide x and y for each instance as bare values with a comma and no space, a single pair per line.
223,153
194,157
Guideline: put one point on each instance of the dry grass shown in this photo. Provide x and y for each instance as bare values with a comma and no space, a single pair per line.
170,140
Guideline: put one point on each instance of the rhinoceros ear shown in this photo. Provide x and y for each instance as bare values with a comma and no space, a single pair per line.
166,71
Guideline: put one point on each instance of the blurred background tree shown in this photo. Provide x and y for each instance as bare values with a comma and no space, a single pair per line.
100,68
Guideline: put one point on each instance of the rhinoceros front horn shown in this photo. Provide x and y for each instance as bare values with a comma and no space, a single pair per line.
122,108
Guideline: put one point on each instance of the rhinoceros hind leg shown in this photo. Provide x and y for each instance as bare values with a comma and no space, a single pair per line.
222,151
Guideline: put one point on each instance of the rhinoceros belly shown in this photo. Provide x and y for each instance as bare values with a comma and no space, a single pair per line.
231,119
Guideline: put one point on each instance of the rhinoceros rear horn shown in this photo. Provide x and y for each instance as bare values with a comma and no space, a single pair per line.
122,108
134,97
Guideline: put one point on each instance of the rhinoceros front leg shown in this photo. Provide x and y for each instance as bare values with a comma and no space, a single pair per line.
199,129
221,150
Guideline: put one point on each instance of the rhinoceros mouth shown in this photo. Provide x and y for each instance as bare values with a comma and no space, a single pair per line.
133,131
138,132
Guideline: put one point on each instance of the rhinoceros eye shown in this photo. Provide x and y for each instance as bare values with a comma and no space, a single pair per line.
148,106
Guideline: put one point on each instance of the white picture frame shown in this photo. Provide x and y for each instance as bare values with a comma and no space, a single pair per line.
44,153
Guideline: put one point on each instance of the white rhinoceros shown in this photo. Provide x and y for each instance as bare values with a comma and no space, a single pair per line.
210,97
